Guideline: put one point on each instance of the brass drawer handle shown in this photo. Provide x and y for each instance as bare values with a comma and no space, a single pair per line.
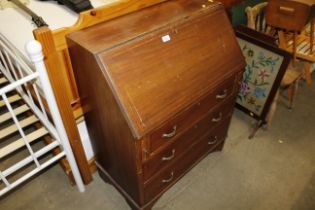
215,139
219,118
169,157
223,95
171,134
169,179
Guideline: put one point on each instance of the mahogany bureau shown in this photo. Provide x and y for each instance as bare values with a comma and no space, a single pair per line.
157,88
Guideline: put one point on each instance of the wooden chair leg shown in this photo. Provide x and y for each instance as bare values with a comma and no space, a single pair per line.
307,73
294,48
292,92
290,95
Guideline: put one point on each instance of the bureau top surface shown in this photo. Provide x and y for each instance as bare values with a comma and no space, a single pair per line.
107,35
160,60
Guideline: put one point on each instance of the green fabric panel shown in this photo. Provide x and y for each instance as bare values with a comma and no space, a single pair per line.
238,12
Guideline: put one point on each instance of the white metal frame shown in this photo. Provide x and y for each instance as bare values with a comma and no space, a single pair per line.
22,78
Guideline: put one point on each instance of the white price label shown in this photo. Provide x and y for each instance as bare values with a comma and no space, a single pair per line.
166,38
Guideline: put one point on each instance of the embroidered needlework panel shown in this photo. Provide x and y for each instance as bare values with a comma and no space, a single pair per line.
259,76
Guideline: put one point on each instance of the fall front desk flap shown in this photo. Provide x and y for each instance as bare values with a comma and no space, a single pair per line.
155,62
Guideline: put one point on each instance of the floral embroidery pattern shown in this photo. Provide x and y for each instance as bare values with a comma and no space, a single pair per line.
260,73
263,74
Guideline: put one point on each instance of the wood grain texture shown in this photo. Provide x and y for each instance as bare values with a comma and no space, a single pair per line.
53,66
13,128
108,12
3,80
176,147
10,148
11,99
89,18
19,110
98,15
108,130
191,115
299,46
292,15
134,87
58,43
177,67
168,177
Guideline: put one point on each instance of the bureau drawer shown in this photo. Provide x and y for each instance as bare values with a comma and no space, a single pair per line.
175,127
171,153
212,141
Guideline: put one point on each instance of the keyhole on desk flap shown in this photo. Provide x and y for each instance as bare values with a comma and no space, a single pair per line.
166,38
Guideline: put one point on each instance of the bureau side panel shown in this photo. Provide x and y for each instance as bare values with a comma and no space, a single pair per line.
112,141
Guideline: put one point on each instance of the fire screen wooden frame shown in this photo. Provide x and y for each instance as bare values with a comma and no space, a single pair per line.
266,65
